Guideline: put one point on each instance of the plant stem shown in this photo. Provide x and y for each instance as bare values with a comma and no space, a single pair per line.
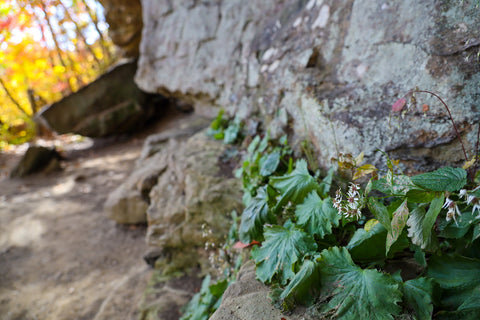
451,118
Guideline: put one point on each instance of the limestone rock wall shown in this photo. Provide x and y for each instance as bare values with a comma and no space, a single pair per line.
324,70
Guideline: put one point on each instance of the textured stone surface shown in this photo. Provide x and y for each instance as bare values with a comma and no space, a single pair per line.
328,71
112,104
247,299
129,202
192,191
124,18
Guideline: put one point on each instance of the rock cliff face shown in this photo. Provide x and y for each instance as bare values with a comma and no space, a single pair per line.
324,70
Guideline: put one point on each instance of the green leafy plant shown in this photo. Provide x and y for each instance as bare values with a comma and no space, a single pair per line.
225,129
263,158
400,246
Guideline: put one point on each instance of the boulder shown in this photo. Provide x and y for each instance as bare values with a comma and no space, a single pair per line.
248,299
326,71
112,104
36,159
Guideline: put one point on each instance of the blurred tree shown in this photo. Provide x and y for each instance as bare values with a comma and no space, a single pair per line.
48,49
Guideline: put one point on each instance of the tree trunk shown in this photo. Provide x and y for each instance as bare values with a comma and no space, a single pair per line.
12,98
55,41
79,33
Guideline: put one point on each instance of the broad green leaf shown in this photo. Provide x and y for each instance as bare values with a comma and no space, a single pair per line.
304,286
421,196
444,179
368,245
380,212
420,224
317,216
417,295
282,248
326,183
399,220
254,216
295,186
356,293
459,277
269,163
469,314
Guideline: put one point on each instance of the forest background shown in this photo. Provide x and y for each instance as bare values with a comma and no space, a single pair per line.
48,49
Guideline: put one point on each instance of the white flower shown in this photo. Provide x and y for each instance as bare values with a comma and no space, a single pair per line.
462,193
447,203
471,199
453,210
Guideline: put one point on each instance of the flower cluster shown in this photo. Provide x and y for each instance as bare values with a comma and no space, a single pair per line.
471,198
453,210
351,207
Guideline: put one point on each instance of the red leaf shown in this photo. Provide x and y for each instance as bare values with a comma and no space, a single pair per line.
241,245
398,105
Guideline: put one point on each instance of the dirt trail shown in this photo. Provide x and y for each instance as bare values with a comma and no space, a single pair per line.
60,257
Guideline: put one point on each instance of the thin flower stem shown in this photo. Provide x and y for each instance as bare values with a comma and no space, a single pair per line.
451,118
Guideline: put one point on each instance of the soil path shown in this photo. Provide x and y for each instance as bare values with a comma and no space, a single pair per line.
61,258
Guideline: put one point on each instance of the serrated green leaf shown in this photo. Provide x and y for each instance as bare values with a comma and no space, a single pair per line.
399,220
317,216
444,179
282,248
380,212
304,286
417,295
254,216
420,224
295,186
356,293
459,277
269,164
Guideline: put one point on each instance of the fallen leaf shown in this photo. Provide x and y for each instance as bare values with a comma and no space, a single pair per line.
399,105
